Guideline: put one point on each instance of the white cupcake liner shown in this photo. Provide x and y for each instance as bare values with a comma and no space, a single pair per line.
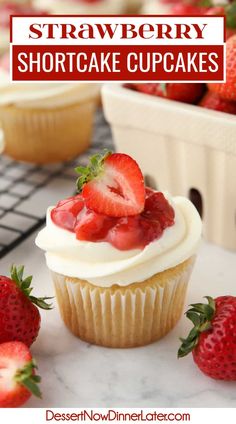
135,315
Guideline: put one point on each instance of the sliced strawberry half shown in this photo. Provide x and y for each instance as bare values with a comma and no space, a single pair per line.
17,375
113,185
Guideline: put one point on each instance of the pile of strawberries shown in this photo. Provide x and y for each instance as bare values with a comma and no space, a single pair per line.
19,328
217,96
206,7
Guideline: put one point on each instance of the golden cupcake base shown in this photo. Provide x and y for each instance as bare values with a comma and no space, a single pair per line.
47,135
123,317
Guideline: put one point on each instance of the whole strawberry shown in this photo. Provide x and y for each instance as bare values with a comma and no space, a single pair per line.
180,92
19,314
227,90
18,380
187,8
213,337
215,102
229,11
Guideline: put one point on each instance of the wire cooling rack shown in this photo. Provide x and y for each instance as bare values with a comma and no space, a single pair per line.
27,190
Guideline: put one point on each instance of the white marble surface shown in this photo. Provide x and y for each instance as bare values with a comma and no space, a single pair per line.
75,374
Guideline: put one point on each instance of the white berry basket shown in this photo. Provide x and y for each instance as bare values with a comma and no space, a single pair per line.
185,149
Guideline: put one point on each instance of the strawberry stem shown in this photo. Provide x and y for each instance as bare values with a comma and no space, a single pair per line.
230,10
24,285
94,168
163,87
26,377
205,3
201,315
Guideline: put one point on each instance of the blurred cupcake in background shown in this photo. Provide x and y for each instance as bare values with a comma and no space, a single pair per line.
158,7
18,2
134,6
45,122
86,7
12,8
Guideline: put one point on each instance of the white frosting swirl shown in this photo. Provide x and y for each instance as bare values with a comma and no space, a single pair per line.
103,265
44,95
102,7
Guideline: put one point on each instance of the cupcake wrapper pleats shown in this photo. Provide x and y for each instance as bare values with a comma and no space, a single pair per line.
129,316
47,135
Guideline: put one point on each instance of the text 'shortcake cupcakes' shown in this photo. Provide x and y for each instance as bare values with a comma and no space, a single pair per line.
83,7
46,122
121,255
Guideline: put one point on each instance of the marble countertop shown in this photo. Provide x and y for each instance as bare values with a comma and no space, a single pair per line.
76,374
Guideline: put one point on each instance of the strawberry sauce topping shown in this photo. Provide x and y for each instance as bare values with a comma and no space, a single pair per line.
124,233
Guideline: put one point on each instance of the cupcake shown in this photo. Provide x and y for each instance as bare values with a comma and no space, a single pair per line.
120,254
8,8
83,7
45,122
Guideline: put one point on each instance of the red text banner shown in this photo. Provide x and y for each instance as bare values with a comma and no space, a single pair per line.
156,49
77,63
